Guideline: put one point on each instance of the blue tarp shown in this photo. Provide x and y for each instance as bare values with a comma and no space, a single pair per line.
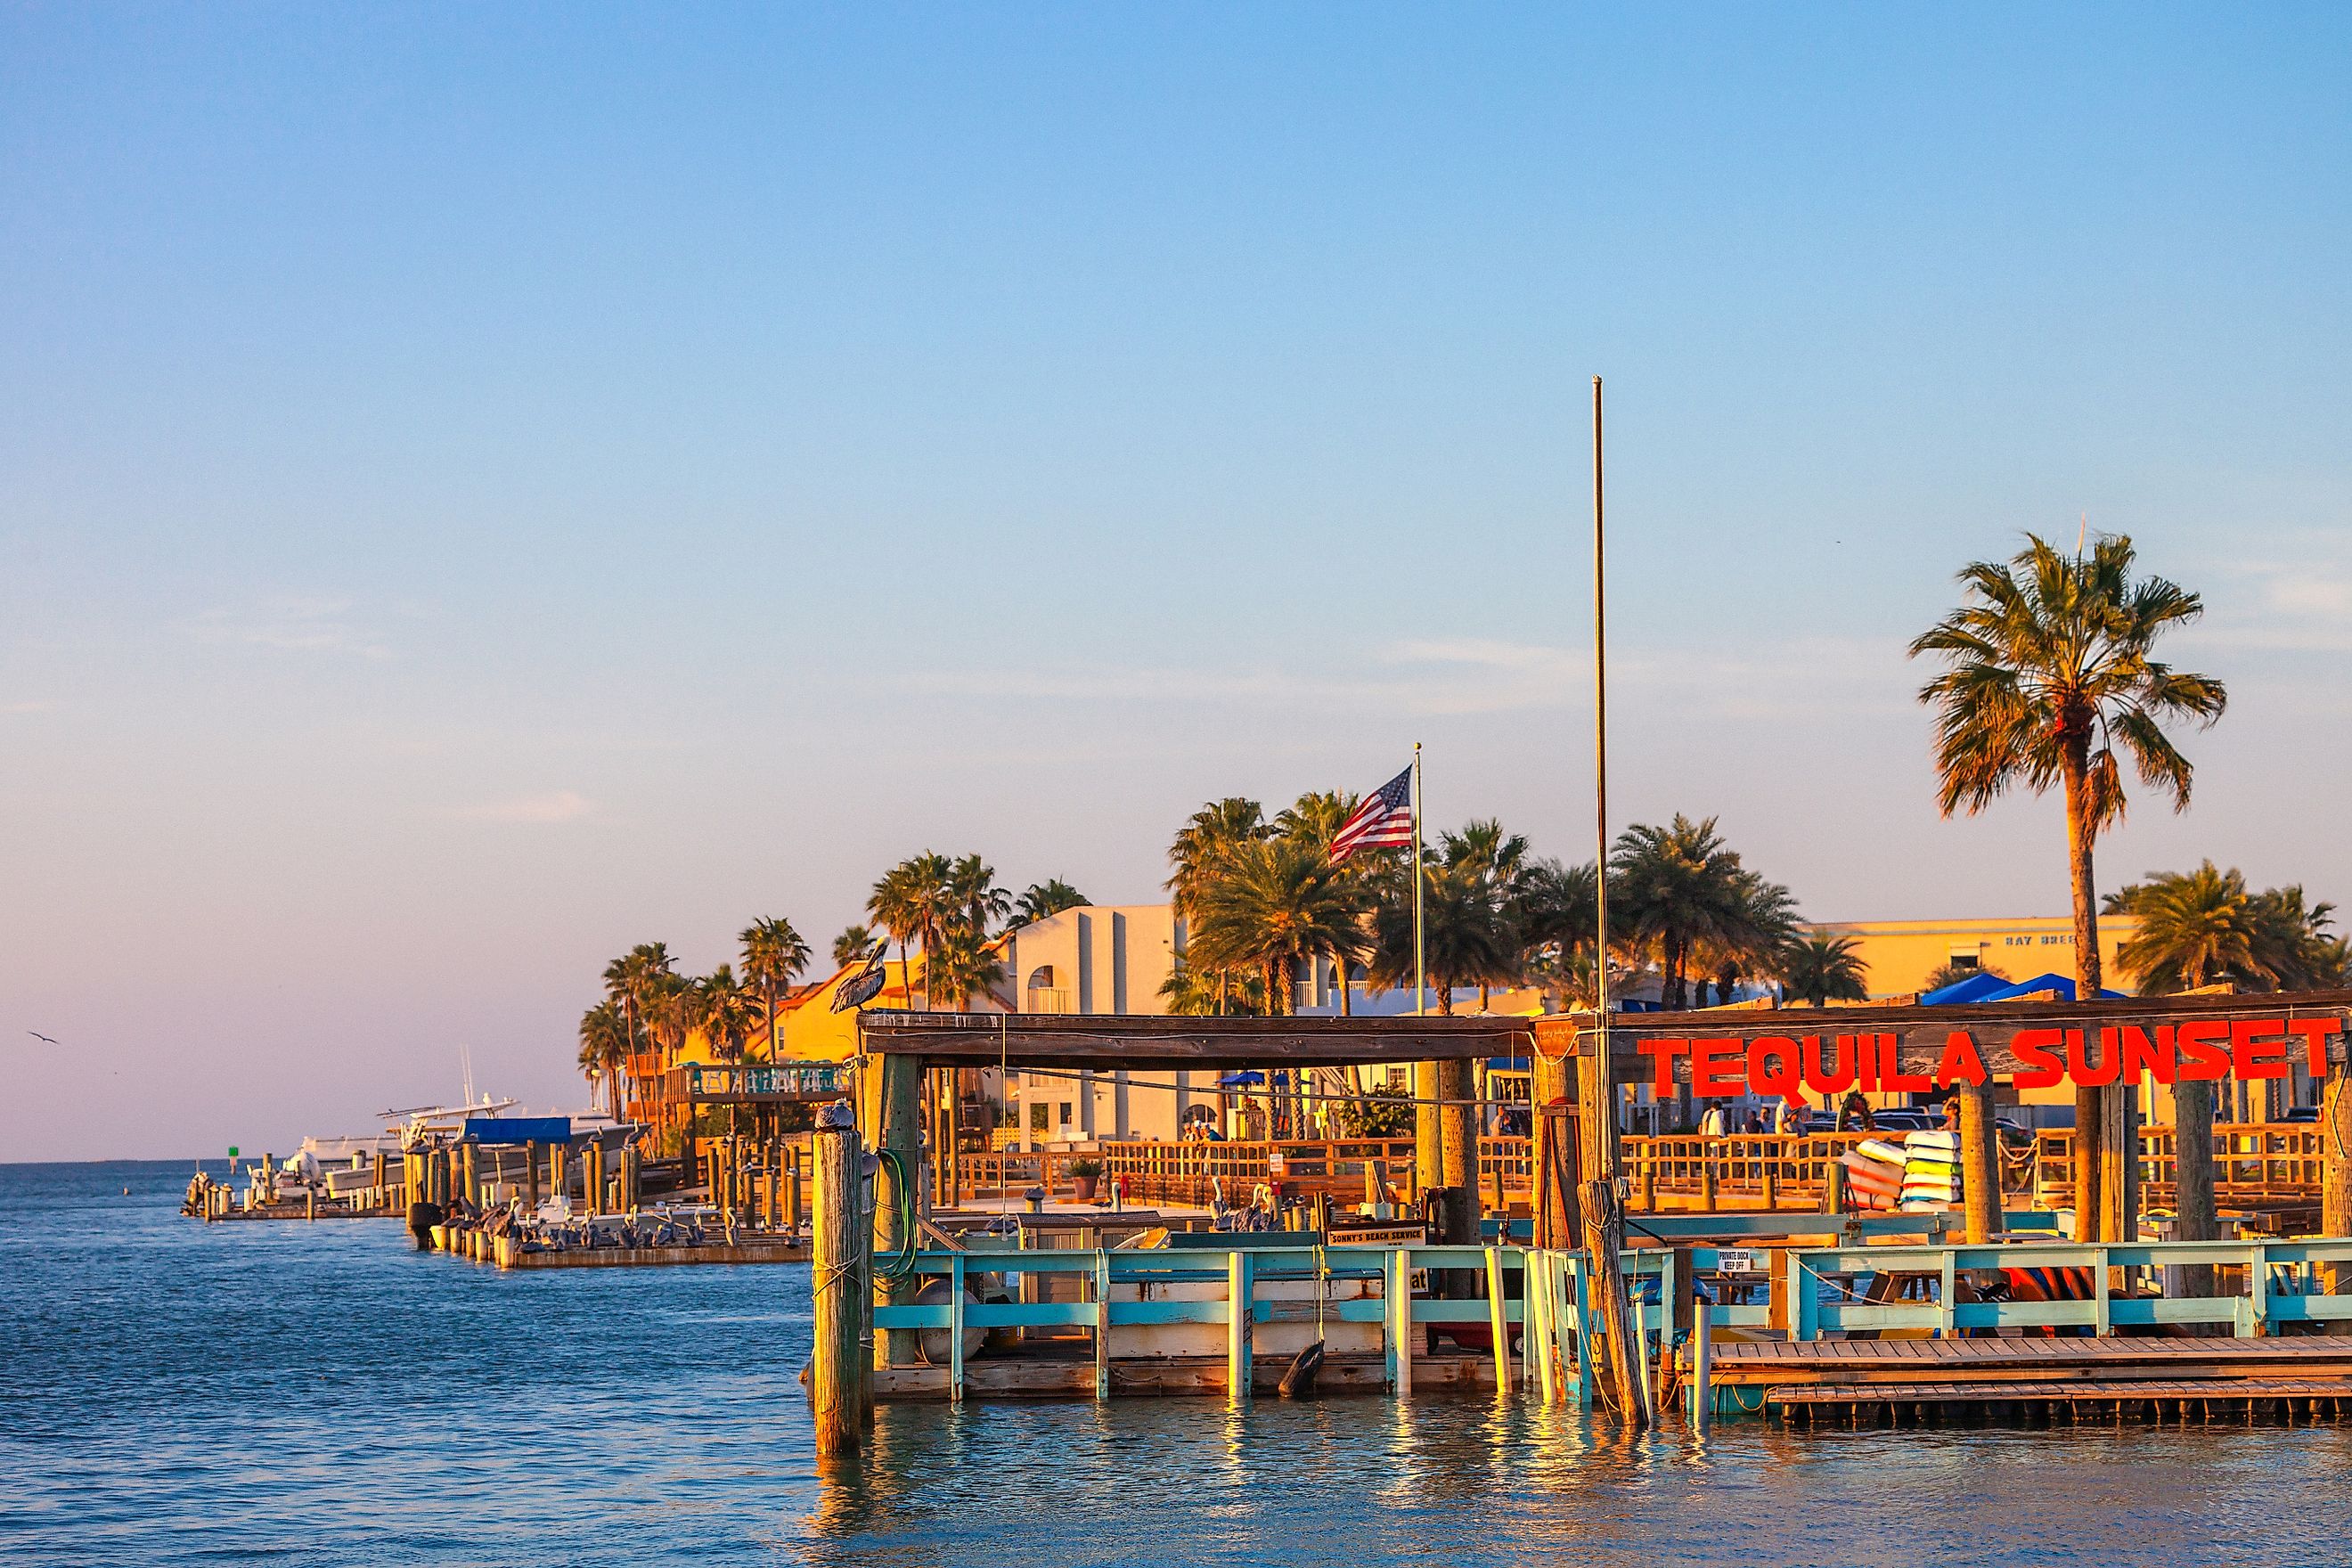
518,1130
1975,988
1992,988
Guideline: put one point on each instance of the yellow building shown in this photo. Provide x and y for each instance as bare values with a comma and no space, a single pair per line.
1901,955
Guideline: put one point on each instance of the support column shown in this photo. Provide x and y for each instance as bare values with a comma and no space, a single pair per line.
900,1108
2336,1166
2088,1113
1979,1163
2192,1179
2118,1164
837,1271
1558,1217
1428,1130
1603,1159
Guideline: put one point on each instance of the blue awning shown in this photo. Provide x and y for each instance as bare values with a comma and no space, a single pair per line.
518,1130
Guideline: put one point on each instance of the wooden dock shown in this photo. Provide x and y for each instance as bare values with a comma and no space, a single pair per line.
1915,1381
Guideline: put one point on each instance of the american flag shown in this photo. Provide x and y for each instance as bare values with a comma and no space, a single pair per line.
1384,818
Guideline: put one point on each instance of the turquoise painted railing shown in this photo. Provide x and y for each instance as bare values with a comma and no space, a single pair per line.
1551,1310
2281,1284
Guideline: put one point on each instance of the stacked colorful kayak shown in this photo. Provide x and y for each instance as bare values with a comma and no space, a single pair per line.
1874,1173
1931,1171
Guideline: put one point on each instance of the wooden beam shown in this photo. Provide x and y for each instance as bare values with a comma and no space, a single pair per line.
1128,1040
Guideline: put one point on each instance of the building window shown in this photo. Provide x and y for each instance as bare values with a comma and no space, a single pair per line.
1065,1113
1037,1117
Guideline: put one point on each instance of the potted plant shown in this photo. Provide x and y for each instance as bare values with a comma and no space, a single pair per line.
1084,1173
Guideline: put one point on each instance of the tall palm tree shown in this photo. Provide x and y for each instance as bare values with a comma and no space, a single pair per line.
723,1012
2292,942
2048,668
2202,926
1823,969
1209,838
911,903
1758,924
604,1048
1555,914
1050,896
2194,927
855,945
1678,886
630,982
1273,903
1317,816
1465,939
773,954
1487,853
973,898
959,964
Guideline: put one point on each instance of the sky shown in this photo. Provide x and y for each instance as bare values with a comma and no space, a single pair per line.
484,487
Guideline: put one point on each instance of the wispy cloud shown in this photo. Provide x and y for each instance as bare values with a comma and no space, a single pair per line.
292,624
550,806
30,705
1475,676
2303,604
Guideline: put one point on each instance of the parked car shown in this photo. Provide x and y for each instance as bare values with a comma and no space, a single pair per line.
2302,1114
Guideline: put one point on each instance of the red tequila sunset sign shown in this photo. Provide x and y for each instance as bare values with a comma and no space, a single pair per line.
1783,1066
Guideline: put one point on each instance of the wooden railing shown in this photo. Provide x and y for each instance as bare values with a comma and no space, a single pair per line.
779,1080
2254,1164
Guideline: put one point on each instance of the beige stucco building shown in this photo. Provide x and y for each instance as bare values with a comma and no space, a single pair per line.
1902,954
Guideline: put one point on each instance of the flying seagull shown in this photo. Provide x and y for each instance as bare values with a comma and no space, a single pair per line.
39,1036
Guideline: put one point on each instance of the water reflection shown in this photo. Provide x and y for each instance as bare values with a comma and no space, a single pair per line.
171,1394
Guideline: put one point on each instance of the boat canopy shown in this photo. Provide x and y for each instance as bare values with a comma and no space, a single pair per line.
518,1130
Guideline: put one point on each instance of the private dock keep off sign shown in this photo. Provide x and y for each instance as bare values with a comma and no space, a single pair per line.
1925,1056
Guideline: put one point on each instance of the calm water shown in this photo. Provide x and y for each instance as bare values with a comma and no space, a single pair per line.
174,1394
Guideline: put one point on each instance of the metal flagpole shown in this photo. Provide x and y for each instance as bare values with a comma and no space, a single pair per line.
1604,1220
1420,985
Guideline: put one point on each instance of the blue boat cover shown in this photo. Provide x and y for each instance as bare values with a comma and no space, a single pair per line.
518,1130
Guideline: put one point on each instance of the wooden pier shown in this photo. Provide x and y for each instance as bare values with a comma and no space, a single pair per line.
1909,1383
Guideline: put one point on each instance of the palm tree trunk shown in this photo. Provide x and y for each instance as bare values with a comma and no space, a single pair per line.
2090,1105
1277,1000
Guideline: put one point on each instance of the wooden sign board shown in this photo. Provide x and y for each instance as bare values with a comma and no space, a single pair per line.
1925,1056
1380,1236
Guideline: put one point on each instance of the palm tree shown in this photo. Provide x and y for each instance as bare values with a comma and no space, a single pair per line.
1554,912
1678,886
1273,903
1823,969
1317,816
855,945
2200,927
672,1009
604,1047
909,903
2293,943
1202,993
1495,857
630,981
1047,898
2048,668
724,1012
773,954
1209,838
1955,972
1758,923
1465,939
960,964
973,896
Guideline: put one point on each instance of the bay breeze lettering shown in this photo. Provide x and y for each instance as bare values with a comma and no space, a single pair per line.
1784,1066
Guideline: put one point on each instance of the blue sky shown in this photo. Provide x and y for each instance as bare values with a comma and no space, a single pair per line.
481,488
